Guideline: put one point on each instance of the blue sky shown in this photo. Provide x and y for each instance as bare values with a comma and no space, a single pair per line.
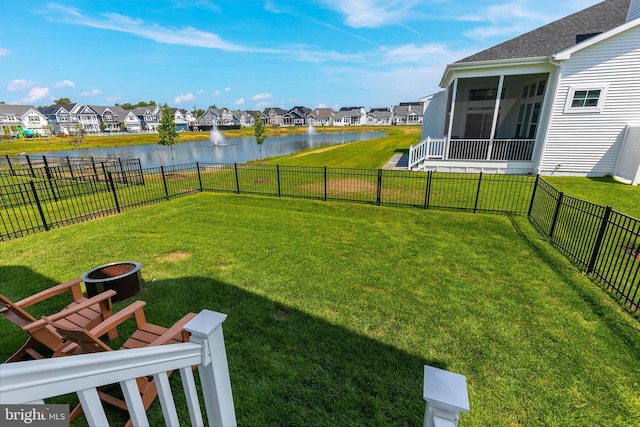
249,54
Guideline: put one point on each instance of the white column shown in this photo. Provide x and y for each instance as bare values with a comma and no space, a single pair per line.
206,329
451,116
496,111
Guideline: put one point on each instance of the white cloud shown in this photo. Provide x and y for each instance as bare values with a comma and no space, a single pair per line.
186,36
113,98
322,106
374,13
35,94
20,85
201,91
260,96
217,93
64,83
94,92
262,104
183,98
4,52
239,101
425,53
227,89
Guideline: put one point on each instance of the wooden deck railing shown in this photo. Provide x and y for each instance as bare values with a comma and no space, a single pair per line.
32,381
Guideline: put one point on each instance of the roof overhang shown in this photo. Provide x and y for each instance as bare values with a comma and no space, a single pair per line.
494,68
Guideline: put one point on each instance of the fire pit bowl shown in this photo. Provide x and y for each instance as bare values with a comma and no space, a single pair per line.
123,277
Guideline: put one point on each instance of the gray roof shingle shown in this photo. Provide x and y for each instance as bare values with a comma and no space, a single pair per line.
558,35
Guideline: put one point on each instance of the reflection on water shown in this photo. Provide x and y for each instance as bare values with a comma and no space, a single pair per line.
229,150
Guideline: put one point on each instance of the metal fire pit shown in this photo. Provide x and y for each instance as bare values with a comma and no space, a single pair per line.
123,277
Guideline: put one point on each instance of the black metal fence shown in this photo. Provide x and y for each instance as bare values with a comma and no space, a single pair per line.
602,242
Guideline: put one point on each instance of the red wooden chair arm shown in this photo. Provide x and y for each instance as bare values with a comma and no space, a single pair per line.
73,285
101,297
172,331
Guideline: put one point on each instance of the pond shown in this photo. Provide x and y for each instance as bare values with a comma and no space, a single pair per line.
219,150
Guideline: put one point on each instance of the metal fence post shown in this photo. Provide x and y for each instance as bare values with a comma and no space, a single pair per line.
475,206
554,221
164,181
379,189
33,173
598,244
325,183
199,176
235,166
533,195
70,168
13,173
37,199
427,191
113,190
278,173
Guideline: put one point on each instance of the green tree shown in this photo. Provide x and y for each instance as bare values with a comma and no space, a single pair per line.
167,129
259,132
61,101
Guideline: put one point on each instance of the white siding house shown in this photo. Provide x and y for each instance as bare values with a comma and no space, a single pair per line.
557,100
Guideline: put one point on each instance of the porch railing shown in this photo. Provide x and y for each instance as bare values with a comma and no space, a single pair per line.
471,149
32,381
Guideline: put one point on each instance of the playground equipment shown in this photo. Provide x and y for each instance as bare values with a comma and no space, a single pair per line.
25,133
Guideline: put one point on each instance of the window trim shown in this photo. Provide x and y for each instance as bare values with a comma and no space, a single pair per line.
569,108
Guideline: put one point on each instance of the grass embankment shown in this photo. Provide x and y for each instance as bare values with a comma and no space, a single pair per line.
39,145
334,308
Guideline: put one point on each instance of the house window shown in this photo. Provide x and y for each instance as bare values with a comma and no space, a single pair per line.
484,94
585,100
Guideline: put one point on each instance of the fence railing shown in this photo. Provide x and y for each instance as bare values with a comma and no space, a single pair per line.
35,206
33,381
602,242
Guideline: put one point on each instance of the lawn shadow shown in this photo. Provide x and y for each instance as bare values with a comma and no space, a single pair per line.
290,368
287,367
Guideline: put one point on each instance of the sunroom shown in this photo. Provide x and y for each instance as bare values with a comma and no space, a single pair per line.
483,121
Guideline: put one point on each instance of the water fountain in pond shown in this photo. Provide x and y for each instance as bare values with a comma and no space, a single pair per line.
215,136
311,130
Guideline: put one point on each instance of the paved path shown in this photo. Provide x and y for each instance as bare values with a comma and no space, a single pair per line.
399,161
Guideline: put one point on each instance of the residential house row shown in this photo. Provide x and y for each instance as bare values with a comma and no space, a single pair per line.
92,119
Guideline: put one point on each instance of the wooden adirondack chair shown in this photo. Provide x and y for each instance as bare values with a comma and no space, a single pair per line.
87,341
81,312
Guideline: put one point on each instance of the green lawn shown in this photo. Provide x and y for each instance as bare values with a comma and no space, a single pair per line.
604,191
334,308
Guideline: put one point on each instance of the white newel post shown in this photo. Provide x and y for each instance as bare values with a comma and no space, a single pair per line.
206,330
446,396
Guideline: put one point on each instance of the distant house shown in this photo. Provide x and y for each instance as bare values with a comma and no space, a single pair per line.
110,117
321,117
149,117
132,122
217,117
13,117
297,116
246,118
350,116
62,117
407,113
273,116
181,119
559,100
379,117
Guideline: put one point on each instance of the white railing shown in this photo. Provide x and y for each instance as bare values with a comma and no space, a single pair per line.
471,149
426,149
32,381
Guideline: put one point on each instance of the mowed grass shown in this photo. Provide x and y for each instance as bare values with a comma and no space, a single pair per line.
604,191
334,308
